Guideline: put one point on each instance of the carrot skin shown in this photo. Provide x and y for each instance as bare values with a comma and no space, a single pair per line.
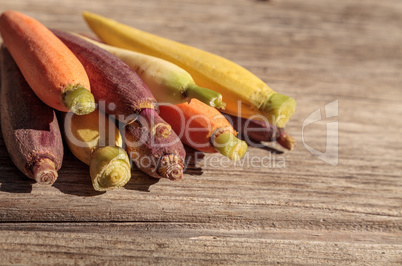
177,118
117,89
30,128
157,157
48,66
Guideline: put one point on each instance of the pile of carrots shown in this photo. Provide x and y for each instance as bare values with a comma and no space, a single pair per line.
118,100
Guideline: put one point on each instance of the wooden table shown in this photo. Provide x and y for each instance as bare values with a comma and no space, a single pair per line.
289,208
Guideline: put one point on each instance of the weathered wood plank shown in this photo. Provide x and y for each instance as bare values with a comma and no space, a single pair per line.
145,243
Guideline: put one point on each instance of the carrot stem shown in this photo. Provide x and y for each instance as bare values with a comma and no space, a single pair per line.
207,96
44,172
78,99
109,168
155,125
228,145
278,109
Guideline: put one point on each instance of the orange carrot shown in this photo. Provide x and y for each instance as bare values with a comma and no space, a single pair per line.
204,128
53,72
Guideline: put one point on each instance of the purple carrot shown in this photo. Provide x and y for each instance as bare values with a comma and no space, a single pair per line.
117,89
30,128
259,130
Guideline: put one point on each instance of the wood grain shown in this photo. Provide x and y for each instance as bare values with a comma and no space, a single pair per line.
275,206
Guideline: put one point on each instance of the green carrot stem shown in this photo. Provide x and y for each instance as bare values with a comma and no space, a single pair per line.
44,172
78,100
207,96
155,125
278,109
228,145
109,168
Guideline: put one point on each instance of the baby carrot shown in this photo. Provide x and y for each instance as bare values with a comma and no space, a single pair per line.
53,72
30,129
96,141
204,128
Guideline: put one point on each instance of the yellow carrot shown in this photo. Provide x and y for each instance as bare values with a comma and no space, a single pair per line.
235,83
95,140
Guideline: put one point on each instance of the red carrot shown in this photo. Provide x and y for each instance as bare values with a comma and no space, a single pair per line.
204,128
50,68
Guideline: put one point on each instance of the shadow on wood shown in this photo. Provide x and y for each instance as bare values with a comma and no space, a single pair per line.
265,147
16,183
193,157
140,181
74,178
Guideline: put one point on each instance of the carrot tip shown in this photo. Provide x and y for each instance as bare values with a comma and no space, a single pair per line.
44,172
228,145
171,167
286,141
278,109
78,100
